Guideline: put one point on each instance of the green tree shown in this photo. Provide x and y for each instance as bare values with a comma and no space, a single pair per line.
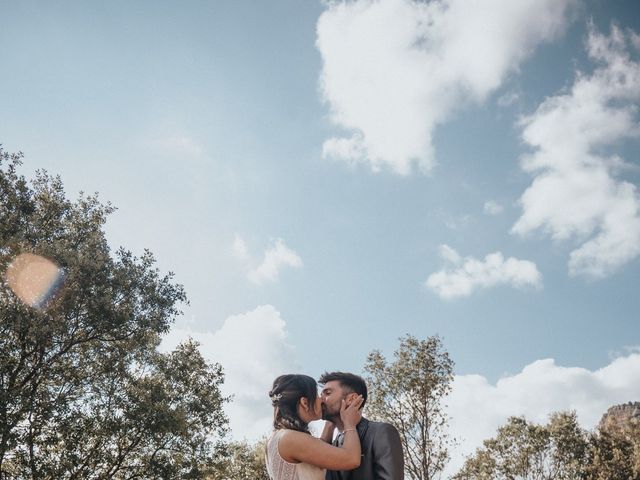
84,393
245,461
409,393
523,450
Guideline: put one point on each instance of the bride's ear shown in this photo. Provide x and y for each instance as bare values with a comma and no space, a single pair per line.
304,403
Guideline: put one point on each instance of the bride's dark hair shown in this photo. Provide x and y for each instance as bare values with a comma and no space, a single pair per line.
286,394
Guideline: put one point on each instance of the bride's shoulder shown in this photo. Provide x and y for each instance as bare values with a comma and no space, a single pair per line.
287,432
287,437
289,443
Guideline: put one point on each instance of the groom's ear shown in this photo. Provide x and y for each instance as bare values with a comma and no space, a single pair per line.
350,397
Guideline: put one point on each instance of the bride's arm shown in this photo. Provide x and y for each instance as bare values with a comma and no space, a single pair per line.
327,432
302,447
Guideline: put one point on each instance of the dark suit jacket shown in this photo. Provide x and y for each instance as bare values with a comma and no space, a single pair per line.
382,457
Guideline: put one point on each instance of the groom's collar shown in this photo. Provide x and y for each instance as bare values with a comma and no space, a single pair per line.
362,427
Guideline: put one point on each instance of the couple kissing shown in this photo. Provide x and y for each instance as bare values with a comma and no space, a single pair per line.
361,449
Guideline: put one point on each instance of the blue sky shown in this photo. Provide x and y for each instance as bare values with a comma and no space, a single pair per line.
325,178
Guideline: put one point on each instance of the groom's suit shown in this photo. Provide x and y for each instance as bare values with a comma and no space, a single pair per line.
382,457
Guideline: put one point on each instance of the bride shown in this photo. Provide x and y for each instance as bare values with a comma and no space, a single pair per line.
292,453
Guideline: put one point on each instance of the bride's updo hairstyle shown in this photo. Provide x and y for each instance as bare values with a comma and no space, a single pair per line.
286,394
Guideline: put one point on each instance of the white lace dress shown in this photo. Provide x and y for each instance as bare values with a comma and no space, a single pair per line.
280,469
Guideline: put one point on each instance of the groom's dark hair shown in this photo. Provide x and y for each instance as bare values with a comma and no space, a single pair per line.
348,381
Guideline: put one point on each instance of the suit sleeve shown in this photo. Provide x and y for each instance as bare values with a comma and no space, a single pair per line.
388,460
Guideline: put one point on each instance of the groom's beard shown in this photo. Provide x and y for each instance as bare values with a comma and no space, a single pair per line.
328,415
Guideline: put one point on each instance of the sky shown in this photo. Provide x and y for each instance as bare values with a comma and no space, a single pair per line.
327,177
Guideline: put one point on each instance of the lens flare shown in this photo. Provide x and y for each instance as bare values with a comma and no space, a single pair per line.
34,279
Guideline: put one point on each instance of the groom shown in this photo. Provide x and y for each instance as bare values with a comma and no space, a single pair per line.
382,457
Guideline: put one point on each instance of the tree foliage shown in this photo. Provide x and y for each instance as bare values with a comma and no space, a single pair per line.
244,461
614,452
524,450
84,393
408,393
559,450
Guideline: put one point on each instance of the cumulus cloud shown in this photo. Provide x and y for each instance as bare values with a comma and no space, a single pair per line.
492,207
276,257
465,275
252,348
576,193
477,407
394,69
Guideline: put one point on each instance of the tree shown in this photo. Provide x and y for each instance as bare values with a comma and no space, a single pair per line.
614,452
523,450
84,393
408,393
245,461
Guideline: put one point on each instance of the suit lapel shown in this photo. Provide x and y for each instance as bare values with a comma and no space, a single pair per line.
361,428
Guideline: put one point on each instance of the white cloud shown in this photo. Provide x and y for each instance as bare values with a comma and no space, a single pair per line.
450,255
395,69
492,207
240,250
470,274
253,350
478,408
276,257
350,150
575,192
508,99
